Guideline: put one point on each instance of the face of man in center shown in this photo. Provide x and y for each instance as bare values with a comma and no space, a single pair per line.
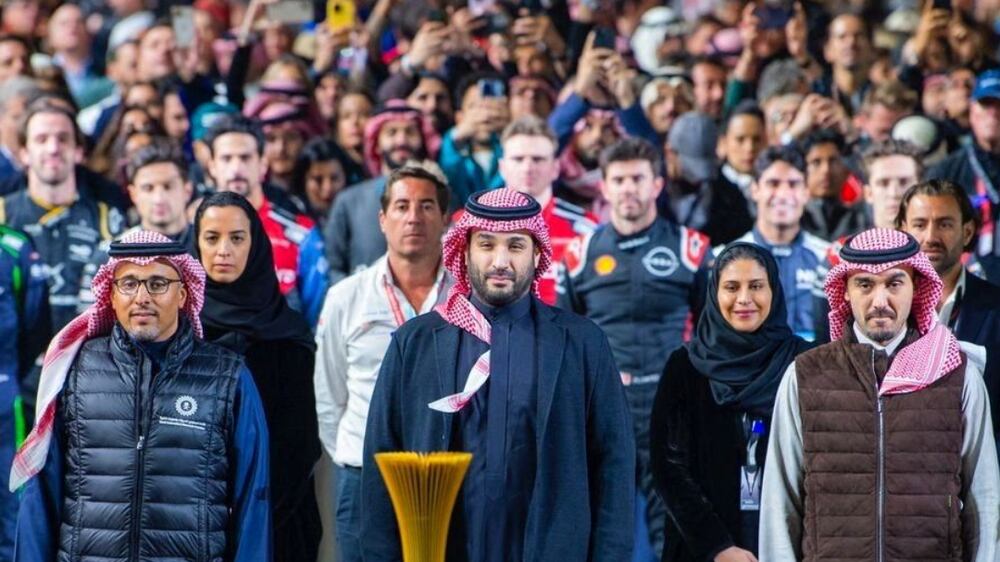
146,316
501,265
881,303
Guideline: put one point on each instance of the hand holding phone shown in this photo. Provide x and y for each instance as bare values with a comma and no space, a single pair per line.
291,11
774,14
340,14
605,38
182,21
492,88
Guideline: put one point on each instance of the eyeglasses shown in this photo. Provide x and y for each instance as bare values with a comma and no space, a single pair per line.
129,286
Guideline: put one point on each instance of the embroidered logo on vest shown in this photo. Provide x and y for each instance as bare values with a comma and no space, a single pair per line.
186,405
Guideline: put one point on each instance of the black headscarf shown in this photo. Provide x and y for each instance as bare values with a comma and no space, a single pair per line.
251,308
745,368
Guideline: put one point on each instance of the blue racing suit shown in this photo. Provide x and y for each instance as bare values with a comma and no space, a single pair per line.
24,331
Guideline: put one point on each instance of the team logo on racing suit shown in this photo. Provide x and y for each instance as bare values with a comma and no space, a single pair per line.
694,245
661,261
186,405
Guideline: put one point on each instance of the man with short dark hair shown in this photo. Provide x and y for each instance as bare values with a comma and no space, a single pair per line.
176,465
779,190
941,218
541,410
62,214
635,277
15,54
826,215
359,316
160,191
847,50
709,77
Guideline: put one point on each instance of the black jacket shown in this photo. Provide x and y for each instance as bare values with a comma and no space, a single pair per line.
697,451
728,214
979,323
283,373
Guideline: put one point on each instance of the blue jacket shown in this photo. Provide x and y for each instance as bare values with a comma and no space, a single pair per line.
314,275
583,498
465,176
250,538
24,323
565,116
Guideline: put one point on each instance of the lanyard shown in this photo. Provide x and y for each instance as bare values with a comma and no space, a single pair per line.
397,309
756,431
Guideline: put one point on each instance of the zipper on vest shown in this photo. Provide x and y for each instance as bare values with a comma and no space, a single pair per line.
879,471
141,409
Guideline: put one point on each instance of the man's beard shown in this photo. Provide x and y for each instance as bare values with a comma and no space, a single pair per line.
500,297
392,164
881,336
587,160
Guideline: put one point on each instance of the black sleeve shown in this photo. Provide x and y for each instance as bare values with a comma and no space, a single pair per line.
293,433
821,320
237,75
380,540
671,435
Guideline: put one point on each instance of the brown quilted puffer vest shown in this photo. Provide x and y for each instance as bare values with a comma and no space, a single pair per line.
882,476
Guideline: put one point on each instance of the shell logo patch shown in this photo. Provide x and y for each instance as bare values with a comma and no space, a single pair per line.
605,265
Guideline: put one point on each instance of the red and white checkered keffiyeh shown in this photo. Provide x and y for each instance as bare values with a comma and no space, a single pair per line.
395,110
457,309
924,361
95,322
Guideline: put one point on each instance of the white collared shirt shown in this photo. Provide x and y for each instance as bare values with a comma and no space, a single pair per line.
888,348
354,332
944,316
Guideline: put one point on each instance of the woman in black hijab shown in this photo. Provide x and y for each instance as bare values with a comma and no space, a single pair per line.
246,312
712,412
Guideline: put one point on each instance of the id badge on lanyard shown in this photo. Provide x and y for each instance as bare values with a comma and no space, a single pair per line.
751,473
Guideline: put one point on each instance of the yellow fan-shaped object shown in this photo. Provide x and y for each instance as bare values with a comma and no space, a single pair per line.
423,488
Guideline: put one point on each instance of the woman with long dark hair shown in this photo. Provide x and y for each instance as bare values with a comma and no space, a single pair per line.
711,416
246,312
321,171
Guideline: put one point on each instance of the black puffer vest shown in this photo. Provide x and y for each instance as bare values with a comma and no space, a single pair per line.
147,458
